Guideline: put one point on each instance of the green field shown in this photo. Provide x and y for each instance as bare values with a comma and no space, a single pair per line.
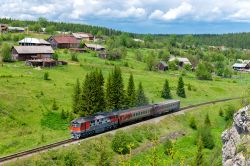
26,98
95,151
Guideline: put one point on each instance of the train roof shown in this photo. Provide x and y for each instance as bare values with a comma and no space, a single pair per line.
98,115
167,102
136,108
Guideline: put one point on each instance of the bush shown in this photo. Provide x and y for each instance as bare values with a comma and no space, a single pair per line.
54,105
206,137
74,57
6,53
187,67
46,76
192,123
168,147
172,65
122,142
221,113
207,121
202,72
229,112
55,56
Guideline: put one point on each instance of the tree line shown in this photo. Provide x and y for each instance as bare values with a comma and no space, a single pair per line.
94,95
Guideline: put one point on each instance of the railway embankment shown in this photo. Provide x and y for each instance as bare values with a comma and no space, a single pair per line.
236,140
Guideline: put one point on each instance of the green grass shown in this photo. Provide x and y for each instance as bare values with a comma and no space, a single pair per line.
88,151
25,97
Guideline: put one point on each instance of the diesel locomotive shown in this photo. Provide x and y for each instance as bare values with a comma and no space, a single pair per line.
101,122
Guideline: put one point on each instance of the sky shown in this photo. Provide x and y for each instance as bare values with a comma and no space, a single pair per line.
139,16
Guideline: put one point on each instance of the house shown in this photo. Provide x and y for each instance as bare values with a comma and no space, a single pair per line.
16,29
95,47
64,41
83,36
3,28
33,42
182,61
162,66
241,66
23,53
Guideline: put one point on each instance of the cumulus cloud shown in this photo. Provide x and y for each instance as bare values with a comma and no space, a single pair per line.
173,13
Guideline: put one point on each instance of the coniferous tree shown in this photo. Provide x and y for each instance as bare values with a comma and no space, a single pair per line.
76,97
108,92
100,103
115,90
166,94
207,120
181,89
131,96
199,156
141,99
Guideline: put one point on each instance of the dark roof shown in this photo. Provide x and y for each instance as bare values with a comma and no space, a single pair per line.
96,116
34,49
164,63
63,39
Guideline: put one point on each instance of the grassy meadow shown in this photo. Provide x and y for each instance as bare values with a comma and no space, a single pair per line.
26,116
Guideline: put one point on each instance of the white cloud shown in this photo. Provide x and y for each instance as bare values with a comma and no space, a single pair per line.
163,10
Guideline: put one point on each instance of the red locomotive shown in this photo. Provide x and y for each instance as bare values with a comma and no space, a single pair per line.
101,122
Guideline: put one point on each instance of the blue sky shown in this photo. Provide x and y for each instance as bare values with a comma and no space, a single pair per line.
140,16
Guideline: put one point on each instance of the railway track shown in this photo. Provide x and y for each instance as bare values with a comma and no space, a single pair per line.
64,142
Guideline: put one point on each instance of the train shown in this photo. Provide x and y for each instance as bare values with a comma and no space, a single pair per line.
104,121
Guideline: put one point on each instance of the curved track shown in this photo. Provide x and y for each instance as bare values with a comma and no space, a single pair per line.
64,142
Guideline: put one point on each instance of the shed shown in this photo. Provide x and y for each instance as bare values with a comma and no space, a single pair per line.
241,66
23,53
16,29
182,61
83,36
64,41
95,47
33,42
3,28
162,66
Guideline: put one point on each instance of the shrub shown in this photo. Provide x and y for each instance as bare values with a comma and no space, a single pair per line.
6,53
221,113
206,137
55,56
187,67
74,57
46,76
229,112
207,121
168,147
63,114
189,87
172,65
202,72
122,142
192,123
54,105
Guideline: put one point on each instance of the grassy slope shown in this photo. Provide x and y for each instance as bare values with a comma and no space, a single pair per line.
24,121
184,147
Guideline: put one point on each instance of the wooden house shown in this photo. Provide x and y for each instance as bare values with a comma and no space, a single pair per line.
83,36
163,66
23,53
3,28
64,41
33,42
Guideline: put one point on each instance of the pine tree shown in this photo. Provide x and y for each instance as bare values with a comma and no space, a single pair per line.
199,156
181,89
115,90
131,96
99,92
76,97
141,99
108,93
207,120
166,94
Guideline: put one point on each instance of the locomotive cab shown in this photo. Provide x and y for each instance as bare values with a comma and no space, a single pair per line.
75,129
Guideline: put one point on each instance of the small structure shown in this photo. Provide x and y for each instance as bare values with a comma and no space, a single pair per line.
138,40
241,66
47,62
163,66
95,47
23,53
3,28
80,50
181,61
16,29
83,36
64,41
33,42
103,55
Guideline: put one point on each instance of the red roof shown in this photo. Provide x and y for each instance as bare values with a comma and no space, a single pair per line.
62,39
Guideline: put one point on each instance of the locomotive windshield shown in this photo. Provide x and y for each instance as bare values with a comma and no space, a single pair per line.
75,125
